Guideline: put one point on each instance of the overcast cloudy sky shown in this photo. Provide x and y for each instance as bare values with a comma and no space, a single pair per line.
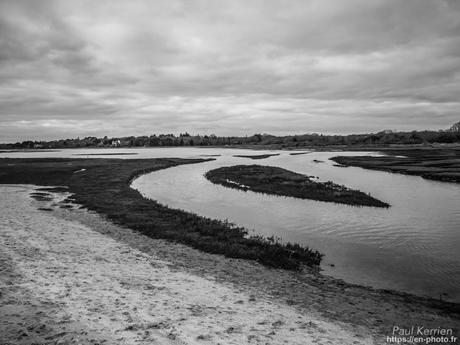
79,68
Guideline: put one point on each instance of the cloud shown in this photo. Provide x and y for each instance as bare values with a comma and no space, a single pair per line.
229,67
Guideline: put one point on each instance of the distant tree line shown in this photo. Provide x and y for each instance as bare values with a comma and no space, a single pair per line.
382,138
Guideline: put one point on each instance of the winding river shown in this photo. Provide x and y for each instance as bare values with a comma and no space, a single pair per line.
413,246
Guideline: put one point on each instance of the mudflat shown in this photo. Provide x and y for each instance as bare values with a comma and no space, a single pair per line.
69,281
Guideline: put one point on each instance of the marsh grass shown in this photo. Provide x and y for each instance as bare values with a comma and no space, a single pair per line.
278,181
257,156
434,164
104,187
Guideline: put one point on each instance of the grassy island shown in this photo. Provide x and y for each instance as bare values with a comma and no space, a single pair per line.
103,185
278,181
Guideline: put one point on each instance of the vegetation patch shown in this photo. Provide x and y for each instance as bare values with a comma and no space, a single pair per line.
104,187
41,196
278,181
257,156
299,153
54,189
435,164
106,154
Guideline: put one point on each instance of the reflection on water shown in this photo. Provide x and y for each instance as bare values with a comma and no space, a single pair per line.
412,246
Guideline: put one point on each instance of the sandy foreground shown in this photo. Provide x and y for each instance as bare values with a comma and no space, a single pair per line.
64,283
67,276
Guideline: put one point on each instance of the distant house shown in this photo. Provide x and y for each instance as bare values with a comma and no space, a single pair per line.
116,143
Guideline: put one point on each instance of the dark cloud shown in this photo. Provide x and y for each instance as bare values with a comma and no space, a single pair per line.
116,67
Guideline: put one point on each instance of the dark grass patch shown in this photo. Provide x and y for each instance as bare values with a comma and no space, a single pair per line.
278,181
28,151
434,164
299,153
257,156
54,189
105,154
105,188
41,196
45,209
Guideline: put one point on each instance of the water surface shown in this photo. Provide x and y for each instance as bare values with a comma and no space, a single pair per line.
412,246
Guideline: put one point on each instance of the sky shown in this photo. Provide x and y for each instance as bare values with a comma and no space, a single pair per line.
76,68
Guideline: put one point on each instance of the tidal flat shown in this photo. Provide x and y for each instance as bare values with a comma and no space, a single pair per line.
68,276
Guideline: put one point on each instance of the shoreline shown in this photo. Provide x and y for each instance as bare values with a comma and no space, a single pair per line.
362,311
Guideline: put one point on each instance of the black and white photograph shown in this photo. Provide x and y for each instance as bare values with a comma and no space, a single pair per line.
229,172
